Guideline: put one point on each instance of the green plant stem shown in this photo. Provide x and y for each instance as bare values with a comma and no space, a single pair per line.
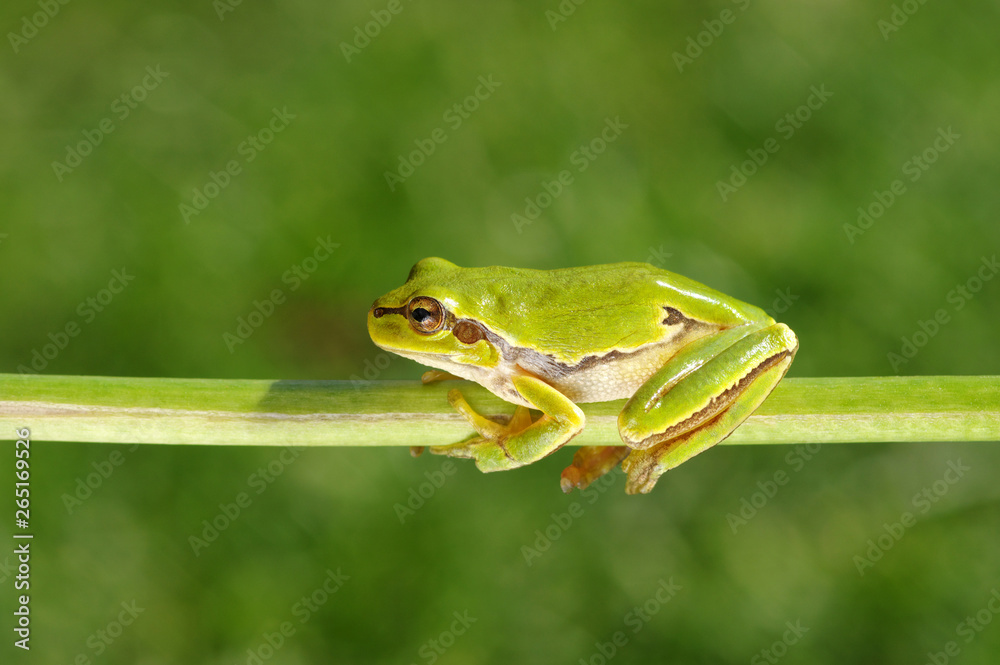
406,413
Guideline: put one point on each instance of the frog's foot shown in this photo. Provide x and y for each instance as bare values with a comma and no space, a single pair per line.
507,446
432,375
643,472
644,467
589,464
488,448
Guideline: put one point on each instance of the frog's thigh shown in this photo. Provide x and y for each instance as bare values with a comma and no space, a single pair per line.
721,395
561,420
699,383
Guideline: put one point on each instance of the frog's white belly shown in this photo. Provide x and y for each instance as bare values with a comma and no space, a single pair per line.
615,375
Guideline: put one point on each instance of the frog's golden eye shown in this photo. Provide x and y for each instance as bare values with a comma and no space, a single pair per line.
426,315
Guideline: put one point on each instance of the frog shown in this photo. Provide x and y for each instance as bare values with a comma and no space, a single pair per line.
692,362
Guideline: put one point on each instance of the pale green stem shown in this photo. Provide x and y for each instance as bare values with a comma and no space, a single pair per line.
406,413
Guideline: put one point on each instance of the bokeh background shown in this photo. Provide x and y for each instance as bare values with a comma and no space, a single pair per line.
214,78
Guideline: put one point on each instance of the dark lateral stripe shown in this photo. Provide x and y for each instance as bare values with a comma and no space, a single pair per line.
674,317
546,364
379,312
718,404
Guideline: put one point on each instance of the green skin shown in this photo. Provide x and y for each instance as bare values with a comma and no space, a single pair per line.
693,362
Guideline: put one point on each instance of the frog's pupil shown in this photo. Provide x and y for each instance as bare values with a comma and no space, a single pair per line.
419,314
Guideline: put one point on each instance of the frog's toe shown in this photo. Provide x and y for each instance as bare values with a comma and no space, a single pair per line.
463,449
433,375
489,455
570,479
643,471
589,464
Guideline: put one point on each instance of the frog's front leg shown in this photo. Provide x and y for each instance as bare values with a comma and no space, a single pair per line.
699,397
519,442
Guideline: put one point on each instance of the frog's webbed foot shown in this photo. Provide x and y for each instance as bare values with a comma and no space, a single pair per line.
643,469
431,376
488,446
589,464
520,441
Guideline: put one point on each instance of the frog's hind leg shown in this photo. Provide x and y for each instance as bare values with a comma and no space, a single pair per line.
589,464
668,426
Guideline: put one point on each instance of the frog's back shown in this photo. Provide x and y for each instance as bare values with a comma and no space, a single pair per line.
573,313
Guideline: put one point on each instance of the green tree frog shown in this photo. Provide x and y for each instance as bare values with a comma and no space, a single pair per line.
693,362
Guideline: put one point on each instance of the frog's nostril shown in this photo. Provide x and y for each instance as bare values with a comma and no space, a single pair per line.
378,312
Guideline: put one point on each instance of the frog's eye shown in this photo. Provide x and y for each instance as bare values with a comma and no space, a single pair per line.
426,315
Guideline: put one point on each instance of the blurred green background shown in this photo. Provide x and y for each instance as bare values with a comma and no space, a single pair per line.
214,82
